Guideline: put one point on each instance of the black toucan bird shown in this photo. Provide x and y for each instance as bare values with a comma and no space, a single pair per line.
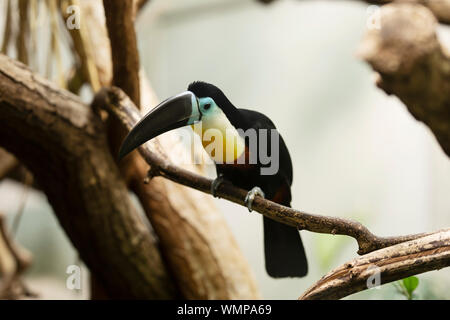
284,252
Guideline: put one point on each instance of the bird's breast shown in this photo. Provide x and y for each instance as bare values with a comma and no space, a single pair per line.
220,139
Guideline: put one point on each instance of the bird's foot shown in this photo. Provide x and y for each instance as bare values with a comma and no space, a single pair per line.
216,183
256,191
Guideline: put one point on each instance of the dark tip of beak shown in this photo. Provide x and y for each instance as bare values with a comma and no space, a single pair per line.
172,113
123,152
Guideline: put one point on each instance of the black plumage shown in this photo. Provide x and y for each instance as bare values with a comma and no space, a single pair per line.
284,252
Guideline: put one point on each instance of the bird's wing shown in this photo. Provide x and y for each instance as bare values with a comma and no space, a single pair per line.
257,120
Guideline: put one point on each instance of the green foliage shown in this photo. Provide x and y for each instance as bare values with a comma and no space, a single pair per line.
411,284
407,286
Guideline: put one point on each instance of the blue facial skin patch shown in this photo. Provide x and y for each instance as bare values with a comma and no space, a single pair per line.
196,115
219,137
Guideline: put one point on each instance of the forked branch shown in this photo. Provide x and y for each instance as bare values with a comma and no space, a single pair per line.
121,107
382,266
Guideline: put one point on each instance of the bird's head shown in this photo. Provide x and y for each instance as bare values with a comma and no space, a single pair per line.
201,102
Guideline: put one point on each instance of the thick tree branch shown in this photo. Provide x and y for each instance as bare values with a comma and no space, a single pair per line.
196,242
63,143
121,107
412,64
386,265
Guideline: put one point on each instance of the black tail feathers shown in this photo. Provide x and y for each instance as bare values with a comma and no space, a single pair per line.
284,252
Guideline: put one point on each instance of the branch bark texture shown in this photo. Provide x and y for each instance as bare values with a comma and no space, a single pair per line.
389,264
120,21
412,64
63,143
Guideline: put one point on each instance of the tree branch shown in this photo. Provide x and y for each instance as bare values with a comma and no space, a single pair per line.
63,143
121,107
386,265
197,245
412,64
14,260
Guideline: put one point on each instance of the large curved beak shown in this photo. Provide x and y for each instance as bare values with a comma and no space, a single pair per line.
178,111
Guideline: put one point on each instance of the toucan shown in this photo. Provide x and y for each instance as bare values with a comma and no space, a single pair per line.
239,163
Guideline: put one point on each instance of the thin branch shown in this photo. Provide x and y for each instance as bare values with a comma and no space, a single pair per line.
55,45
27,182
8,28
120,22
125,69
23,33
14,260
83,38
122,108
382,266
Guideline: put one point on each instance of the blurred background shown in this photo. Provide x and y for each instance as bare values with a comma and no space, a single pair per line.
357,153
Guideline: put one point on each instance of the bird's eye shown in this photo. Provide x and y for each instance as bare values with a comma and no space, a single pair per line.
207,106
